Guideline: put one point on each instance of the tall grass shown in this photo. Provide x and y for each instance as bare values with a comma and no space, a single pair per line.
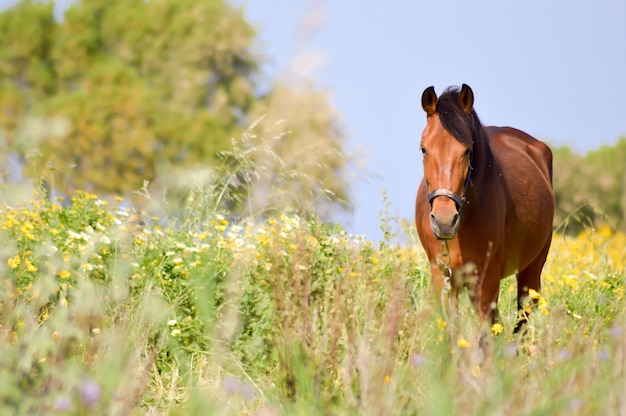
106,310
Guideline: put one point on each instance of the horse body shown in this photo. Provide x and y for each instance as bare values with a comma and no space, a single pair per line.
491,198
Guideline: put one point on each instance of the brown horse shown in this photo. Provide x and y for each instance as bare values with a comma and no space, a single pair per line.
485,207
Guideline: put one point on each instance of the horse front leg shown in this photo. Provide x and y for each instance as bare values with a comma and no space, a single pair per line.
527,280
486,300
445,293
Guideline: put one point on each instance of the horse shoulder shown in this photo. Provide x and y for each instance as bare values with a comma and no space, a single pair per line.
514,139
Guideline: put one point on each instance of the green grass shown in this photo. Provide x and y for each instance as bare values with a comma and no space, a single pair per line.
104,310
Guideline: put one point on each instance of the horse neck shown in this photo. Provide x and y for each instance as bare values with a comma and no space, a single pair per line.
483,162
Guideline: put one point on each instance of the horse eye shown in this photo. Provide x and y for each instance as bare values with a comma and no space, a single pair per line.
467,152
423,149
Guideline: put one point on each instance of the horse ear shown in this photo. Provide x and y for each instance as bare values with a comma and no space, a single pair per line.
466,99
429,101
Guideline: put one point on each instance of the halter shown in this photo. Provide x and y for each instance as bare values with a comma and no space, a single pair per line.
458,200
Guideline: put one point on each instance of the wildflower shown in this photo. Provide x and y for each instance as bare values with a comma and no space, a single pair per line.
14,262
497,328
463,343
533,294
616,331
603,355
441,323
387,378
90,392
510,350
30,267
172,322
64,274
418,360
176,332
63,404
564,355
374,260
575,404
232,385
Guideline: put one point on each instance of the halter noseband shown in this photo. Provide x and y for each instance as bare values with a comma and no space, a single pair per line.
458,200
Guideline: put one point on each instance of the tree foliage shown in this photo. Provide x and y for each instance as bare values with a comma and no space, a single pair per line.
590,189
145,88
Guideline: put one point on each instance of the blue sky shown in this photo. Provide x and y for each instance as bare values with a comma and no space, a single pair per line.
554,69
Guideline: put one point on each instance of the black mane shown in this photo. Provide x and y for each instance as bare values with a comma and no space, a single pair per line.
466,128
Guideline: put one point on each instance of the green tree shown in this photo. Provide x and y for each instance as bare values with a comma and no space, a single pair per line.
148,89
302,150
591,189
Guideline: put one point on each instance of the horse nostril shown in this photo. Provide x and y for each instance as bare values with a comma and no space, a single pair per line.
455,220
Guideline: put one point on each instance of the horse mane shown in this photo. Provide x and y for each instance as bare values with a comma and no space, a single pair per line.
466,128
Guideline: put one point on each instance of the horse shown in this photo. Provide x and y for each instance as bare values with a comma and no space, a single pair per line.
485,207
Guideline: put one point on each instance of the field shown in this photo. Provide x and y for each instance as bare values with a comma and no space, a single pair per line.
105,310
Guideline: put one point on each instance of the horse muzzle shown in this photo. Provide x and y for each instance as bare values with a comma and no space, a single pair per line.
445,217
444,227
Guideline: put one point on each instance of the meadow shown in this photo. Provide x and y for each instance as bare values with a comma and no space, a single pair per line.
108,310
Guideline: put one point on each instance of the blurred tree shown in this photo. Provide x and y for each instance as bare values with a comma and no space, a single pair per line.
590,190
148,89
304,156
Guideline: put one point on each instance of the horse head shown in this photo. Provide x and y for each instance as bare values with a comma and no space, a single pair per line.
447,148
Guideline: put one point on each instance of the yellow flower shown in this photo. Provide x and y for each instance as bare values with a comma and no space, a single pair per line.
533,294
14,262
605,231
497,328
64,274
463,343
374,260
442,324
30,267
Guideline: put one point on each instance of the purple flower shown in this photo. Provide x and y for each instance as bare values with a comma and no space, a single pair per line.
575,404
564,355
232,385
63,403
418,360
510,350
90,392
603,355
616,331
